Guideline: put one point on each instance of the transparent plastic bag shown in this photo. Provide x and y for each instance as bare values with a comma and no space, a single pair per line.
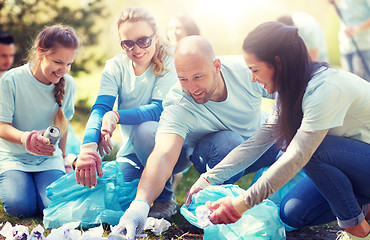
260,222
104,203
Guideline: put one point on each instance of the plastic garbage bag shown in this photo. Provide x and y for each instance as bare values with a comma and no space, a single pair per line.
73,142
104,203
260,222
279,195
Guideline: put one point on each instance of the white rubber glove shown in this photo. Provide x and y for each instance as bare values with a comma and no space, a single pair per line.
88,164
132,222
200,184
37,144
109,124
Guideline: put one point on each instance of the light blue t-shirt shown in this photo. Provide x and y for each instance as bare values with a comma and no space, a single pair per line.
133,91
339,101
240,112
30,105
354,12
311,33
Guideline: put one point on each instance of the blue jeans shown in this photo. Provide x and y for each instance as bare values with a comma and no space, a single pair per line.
133,164
23,193
353,63
215,146
337,186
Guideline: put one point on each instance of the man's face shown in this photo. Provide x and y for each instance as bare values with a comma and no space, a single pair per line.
7,52
198,77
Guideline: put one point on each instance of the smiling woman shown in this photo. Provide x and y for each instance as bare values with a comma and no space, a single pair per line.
33,97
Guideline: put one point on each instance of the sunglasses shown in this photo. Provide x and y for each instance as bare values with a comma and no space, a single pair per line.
143,42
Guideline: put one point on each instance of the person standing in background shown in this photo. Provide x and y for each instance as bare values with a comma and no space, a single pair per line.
180,26
311,33
354,36
7,51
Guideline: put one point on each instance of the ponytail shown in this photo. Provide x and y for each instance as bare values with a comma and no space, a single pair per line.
60,119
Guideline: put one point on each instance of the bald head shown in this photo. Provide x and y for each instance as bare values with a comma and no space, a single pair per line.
194,47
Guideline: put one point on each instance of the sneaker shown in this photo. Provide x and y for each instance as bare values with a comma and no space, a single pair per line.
163,209
343,235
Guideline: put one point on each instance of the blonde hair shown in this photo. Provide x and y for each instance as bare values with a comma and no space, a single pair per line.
135,14
47,41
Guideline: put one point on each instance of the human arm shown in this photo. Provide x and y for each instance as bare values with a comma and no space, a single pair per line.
314,53
148,112
157,171
298,153
89,162
353,30
33,141
63,143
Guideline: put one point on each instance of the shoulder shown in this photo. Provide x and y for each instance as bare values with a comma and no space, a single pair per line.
17,73
69,81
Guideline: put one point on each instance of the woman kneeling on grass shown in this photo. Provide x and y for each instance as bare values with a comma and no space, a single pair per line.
321,121
33,97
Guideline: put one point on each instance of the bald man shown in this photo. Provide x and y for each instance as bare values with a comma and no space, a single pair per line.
7,51
214,108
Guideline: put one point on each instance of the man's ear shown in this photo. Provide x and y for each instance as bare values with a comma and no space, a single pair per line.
217,65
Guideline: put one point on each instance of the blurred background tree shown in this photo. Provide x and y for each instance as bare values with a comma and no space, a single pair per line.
25,18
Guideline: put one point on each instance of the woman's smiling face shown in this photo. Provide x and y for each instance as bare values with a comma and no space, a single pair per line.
262,72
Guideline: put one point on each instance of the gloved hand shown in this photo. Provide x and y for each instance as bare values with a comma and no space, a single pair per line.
88,164
36,144
200,184
223,211
109,123
133,221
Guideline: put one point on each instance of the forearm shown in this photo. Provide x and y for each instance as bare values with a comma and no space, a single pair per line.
63,143
298,153
10,133
155,175
159,166
103,104
362,27
148,112
244,155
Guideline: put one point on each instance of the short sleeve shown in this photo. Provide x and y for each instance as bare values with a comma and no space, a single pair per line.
164,83
69,100
324,107
174,119
112,73
7,98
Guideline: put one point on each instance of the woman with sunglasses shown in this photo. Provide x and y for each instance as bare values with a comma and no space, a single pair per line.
139,79
321,120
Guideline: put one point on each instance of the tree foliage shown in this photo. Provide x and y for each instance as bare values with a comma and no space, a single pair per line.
24,19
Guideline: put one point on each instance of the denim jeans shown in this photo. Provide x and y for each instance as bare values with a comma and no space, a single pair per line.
23,193
337,186
353,63
215,146
133,164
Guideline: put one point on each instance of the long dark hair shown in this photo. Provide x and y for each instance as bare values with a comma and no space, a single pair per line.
283,48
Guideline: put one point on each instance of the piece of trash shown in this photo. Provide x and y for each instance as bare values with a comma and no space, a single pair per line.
18,232
157,226
202,213
66,232
95,233
37,233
